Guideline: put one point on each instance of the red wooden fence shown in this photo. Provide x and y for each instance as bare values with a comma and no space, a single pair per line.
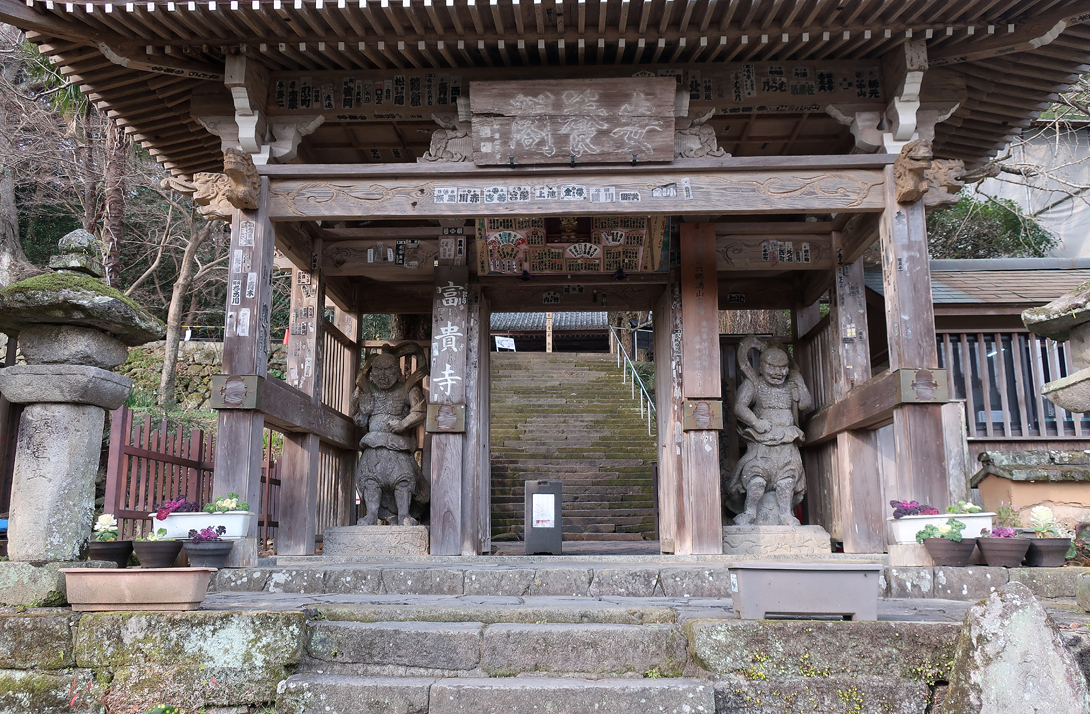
150,463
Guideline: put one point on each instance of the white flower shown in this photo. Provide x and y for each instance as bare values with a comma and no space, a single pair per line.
230,503
1041,513
945,528
105,523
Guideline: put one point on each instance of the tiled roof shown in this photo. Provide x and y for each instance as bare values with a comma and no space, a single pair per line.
504,321
995,286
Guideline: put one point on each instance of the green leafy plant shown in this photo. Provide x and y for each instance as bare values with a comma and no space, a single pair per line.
223,504
1007,516
963,507
1043,522
989,228
164,709
951,530
106,528
154,536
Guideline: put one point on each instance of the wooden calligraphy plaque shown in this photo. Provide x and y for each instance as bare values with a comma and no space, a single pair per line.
581,120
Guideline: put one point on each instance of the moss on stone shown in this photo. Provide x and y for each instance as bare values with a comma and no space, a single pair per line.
58,281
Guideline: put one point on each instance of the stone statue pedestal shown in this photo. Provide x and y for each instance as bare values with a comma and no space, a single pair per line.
776,540
376,540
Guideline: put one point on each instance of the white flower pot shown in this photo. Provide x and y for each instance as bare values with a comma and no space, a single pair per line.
178,525
903,530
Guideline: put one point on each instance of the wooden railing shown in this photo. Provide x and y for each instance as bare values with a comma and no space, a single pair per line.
815,359
149,462
1005,372
339,377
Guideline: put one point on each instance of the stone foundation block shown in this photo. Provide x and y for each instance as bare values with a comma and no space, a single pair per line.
324,694
837,695
364,581
775,651
1048,582
625,582
968,583
610,696
38,585
775,540
198,638
910,582
694,582
23,692
448,646
36,642
226,580
376,540
1082,591
512,582
192,688
574,582
584,649
422,581
296,580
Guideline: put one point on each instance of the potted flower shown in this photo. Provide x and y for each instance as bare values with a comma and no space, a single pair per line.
156,550
1048,548
207,548
228,511
908,518
1001,547
945,543
105,544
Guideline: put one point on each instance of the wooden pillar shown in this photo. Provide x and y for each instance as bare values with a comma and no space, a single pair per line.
855,462
476,504
246,352
299,473
920,471
700,380
448,387
668,413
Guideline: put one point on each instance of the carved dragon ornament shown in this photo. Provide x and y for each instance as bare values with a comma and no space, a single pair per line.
217,195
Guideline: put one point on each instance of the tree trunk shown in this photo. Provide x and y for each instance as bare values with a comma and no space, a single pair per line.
13,261
174,314
113,217
85,155
410,327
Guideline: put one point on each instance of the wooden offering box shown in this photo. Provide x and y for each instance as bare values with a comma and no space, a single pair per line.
763,590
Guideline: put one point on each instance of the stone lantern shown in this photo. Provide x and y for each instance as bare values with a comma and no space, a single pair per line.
72,329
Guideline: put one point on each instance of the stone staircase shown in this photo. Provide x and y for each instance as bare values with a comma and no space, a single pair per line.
568,416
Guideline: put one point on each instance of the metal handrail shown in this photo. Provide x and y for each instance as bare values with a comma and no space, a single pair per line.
627,364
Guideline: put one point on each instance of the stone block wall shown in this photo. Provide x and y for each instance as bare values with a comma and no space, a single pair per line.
197,362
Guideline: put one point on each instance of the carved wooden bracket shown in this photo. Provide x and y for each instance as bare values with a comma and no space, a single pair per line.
910,169
217,195
695,139
945,179
280,138
450,143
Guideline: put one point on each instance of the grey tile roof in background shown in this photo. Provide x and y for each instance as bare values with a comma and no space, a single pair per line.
505,321
994,286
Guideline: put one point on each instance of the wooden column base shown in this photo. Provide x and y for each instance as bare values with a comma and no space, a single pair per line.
238,470
920,460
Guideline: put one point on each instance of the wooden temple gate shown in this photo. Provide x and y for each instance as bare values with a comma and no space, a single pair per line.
617,114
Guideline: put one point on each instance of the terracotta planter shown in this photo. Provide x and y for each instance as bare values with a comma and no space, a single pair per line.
1003,552
212,554
111,551
157,553
950,553
1047,552
93,589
